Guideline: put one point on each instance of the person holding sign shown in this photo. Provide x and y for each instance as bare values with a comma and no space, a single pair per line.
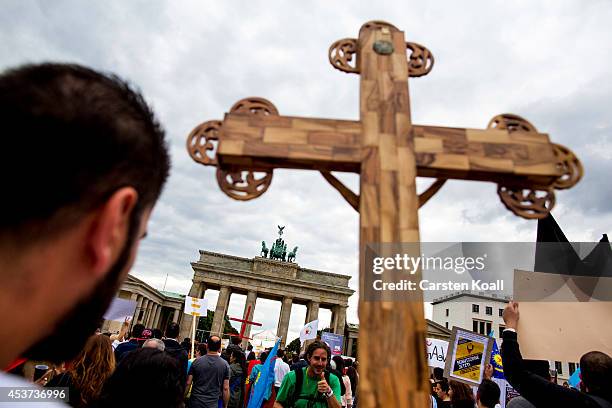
596,374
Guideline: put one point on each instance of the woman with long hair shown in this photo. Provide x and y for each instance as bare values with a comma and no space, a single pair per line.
461,395
88,372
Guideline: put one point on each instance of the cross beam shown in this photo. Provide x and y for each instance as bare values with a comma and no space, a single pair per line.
244,324
388,152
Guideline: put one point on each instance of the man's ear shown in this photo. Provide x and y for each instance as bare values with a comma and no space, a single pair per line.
109,230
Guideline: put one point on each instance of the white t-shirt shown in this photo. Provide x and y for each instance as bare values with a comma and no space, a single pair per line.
8,381
280,371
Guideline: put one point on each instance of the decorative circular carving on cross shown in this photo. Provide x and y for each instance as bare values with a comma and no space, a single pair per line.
255,106
569,165
341,55
203,139
511,123
526,203
420,61
244,185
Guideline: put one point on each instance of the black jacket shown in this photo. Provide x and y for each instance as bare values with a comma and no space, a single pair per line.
537,390
177,351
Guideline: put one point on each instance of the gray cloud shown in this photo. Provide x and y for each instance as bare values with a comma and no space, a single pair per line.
543,60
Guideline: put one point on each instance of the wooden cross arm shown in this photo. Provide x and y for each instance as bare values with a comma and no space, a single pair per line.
499,154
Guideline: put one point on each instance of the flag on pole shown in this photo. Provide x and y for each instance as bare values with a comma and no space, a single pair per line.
265,379
496,360
574,380
309,331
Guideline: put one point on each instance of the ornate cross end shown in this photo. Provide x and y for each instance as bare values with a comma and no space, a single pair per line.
536,202
203,143
343,53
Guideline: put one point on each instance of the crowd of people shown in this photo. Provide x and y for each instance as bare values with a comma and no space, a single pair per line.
86,162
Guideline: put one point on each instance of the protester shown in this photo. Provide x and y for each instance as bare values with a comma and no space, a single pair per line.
351,372
210,376
250,354
120,337
70,226
88,372
595,366
136,341
145,377
441,389
257,368
234,345
300,364
157,334
154,343
280,369
175,349
488,394
237,378
311,386
461,395
345,383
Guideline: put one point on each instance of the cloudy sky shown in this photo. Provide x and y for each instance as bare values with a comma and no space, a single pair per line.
548,61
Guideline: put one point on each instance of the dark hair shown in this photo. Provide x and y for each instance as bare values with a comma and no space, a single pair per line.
348,362
92,134
596,371
250,347
251,356
295,358
145,377
263,357
317,344
443,383
280,353
236,340
339,364
172,330
202,348
214,345
240,359
488,393
156,334
137,330
462,396
438,373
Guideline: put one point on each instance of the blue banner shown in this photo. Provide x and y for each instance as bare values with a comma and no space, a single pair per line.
265,380
334,341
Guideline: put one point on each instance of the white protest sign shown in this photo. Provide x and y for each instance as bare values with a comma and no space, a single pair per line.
195,306
120,310
436,352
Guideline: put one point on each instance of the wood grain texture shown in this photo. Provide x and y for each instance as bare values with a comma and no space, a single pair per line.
336,145
388,209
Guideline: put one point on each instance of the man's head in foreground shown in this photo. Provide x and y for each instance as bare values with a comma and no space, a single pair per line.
85,161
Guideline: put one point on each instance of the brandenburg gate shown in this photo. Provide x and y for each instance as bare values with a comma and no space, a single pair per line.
269,278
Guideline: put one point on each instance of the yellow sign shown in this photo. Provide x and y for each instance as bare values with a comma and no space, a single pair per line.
468,359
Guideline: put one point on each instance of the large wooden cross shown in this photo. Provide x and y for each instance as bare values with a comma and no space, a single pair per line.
388,152
245,323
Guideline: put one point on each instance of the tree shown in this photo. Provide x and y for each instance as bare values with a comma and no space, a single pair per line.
294,346
205,323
